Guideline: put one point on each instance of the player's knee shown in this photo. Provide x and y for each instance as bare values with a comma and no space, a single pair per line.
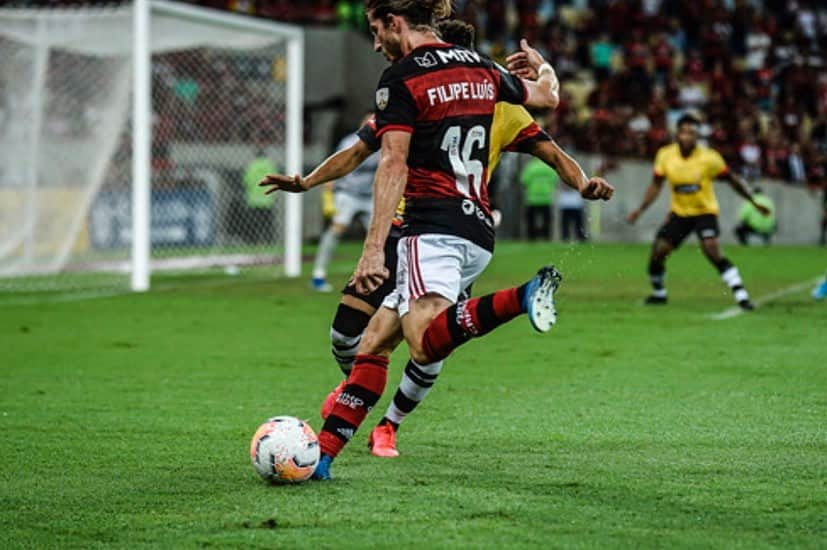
374,344
419,354
349,321
660,251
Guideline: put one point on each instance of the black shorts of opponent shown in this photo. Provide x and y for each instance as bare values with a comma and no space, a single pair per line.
677,228
376,297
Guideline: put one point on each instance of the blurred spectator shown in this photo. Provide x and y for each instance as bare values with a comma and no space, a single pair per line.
258,219
571,211
796,172
752,222
539,181
750,154
602,51
753,69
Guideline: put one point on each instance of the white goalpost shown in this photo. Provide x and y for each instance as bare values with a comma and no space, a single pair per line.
129,138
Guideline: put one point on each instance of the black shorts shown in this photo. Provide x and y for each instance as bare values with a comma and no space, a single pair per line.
677,228
376,297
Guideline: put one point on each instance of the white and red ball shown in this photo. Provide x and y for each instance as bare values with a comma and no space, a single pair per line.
285,449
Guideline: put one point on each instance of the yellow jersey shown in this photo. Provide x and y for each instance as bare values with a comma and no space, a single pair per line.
510,121
690,178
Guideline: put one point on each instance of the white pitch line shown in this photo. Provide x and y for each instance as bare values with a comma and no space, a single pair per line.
735,311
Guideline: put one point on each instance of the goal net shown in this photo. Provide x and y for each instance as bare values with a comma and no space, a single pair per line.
224,111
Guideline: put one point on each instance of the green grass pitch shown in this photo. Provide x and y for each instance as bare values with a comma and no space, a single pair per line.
125,421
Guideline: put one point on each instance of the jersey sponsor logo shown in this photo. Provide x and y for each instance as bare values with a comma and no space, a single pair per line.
465,320
426,61
347,433
458,91
470,208
382,97
349,400
687,188
458,55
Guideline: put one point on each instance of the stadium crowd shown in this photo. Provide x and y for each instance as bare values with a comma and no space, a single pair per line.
756,70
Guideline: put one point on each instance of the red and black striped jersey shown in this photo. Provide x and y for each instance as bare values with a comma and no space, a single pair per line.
445,96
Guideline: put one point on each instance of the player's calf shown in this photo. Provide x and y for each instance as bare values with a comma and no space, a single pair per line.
346,335
477,317
732,278
657,278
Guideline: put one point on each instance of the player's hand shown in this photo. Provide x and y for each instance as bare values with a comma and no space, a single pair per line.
525,62
370,272
597,189
280,182
763,209
633,216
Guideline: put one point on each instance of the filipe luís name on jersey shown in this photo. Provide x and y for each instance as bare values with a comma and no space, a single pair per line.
445,97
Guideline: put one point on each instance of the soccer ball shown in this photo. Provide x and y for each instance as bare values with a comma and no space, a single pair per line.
285,450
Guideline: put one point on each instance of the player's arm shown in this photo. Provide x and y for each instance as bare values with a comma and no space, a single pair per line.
570,171
652,193
740,186
335,166
539,77
388,186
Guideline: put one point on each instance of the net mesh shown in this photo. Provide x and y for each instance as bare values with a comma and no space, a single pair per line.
218,124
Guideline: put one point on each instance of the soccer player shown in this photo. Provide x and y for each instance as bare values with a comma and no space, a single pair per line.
513,129
753,222
435,107
690,170
352,199
514,126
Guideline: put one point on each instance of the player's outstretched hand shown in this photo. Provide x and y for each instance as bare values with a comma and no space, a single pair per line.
633,216
370,272
597,189
525,62
279,182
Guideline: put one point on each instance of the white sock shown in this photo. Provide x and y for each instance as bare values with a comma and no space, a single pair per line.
344,349
416,382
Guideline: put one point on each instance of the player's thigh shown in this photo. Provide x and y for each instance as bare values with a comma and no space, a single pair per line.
437,264
671,234
709,233
347,207
438,269
383,334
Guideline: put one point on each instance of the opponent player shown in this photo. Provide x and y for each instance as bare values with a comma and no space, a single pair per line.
352,198
513,126
436,98
690,170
